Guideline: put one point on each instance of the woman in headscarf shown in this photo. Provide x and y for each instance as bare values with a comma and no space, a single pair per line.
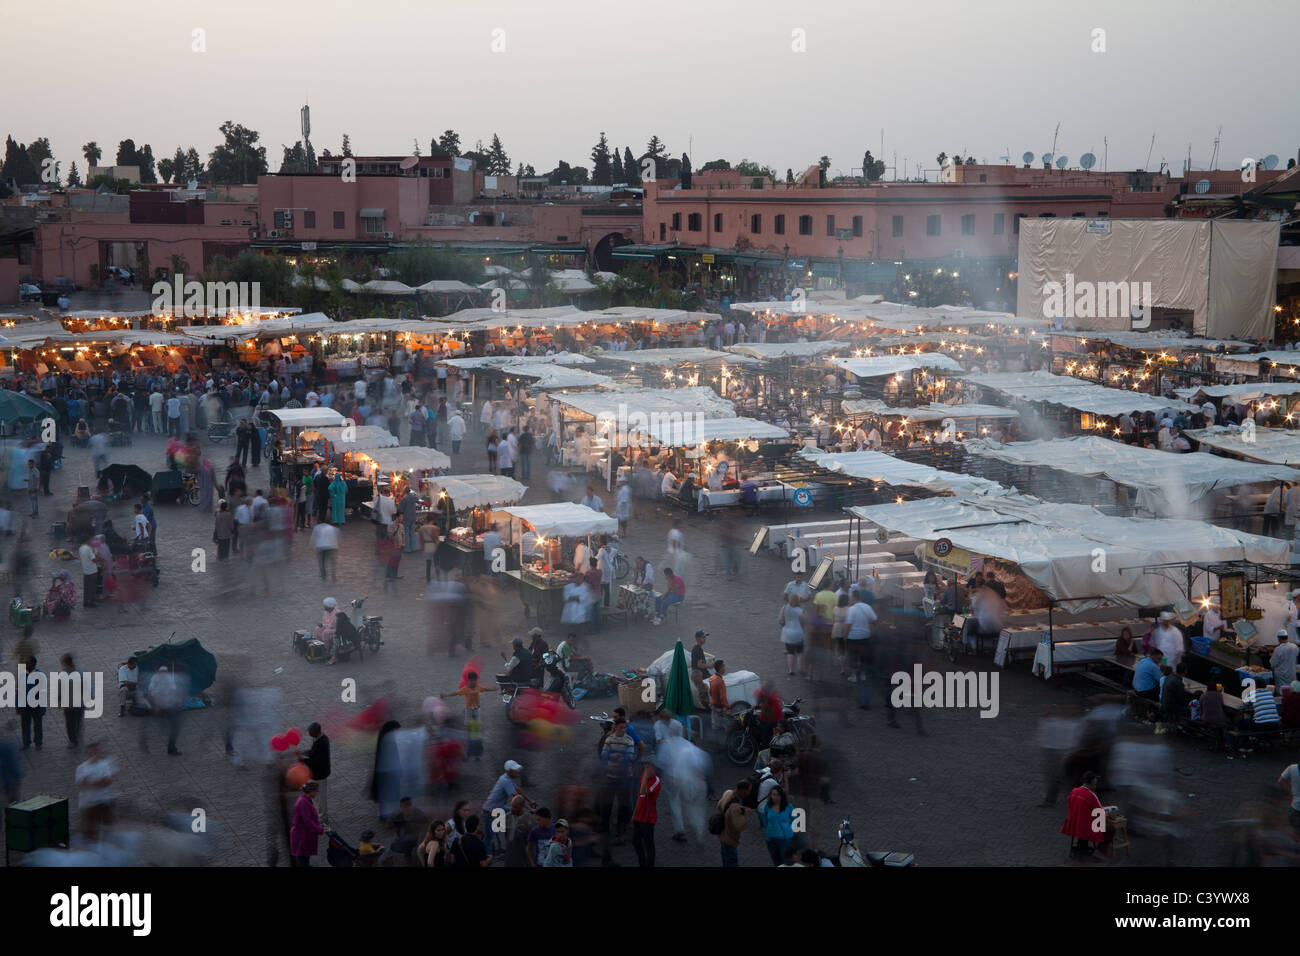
338,499
235,487
304,833
207,483
328,625
61,597
1086,820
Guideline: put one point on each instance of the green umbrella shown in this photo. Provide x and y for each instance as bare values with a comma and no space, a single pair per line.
20,407
677,695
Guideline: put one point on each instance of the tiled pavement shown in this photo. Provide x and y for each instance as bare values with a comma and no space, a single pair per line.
966,794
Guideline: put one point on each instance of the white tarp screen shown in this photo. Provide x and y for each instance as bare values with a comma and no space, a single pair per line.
406,458
1243,278
886,469
307,417
1167,483
778,350
682,356
1223,273
1074,553
690,432
1245,392
349,437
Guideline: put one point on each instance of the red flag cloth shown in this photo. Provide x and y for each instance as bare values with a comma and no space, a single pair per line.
1079,816
476,665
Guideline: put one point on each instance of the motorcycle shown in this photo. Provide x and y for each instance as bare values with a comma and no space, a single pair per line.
348,638
742,741
370,629
850,855
520,702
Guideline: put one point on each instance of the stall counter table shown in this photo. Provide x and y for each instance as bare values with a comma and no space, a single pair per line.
543,601
471,557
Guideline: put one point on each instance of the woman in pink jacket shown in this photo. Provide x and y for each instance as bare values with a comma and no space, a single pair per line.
306,827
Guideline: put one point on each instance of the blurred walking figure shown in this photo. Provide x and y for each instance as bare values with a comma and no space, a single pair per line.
74,718
306,829
447,609
94,781
167,695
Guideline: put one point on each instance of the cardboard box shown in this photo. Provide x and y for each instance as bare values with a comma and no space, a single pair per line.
632,695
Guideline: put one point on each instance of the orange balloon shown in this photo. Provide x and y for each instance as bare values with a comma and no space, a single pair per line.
297,775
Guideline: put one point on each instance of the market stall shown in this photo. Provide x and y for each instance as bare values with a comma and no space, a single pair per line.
332,440
545,536
464,506
388,469
288,423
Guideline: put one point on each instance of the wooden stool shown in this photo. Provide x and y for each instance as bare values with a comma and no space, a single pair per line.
1119,825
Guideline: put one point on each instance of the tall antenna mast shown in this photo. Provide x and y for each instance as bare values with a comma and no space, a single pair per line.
1054,138
1105,155
1150,151
1214,157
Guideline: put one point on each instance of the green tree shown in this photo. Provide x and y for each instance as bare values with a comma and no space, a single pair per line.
18,165
294,161
631,170
872,168
823,165
92,152
109,184
942,158
238,159
166,169
656,150
421,262
127,154
179,166
194,168
74,177
686,171
616,172
147,164
715,164
449,142
347,145
601,171
498,161
751,170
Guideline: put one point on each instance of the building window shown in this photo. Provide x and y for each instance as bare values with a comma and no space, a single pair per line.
1016,223
1047,215
374,224
1078,215
1102,214
663,231
280,218
756,223
932,225
309,219
999,223
340,220
830,226
677,222
717,222
778,225
968,224
694,222
898,227
857,227
805,225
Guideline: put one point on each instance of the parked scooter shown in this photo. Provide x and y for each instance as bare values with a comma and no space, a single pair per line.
349,637
743,739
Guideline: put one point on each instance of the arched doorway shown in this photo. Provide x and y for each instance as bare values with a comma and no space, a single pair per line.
603,253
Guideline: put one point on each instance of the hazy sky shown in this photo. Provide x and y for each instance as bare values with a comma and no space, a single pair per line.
960,76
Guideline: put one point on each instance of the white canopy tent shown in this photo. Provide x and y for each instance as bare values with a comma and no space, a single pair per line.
351,437
630,407
933,412
387,287
768,351
1167,483
666,358
499,361
319,417
564,518
1276,445
445,287
888,470
405,458
689,432
1073,553
558,376
883,366
1075,394
476,491
1245,392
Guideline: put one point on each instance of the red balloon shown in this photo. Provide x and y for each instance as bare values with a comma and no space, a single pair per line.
279,744
297,775
294,736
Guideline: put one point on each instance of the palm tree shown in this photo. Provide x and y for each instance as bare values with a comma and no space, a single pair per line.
92,152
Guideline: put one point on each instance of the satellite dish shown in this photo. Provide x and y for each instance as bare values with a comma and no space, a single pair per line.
1270,161
1028,157
409,163
1203,186
1047,157
1062,162
1087,160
